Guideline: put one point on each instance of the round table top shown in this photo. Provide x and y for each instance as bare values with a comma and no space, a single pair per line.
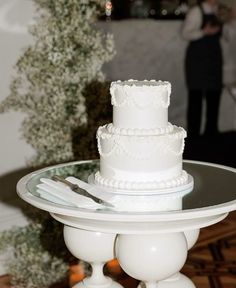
213,196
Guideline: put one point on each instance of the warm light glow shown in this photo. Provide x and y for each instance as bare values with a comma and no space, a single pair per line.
76,274
108,7
113,267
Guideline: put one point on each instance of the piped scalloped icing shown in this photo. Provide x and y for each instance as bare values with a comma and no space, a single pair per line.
140,147
134,93
135,185
141,150
147,132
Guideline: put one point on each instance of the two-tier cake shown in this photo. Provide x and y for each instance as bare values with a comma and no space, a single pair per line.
141,152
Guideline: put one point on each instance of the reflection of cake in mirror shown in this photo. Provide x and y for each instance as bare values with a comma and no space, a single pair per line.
141,152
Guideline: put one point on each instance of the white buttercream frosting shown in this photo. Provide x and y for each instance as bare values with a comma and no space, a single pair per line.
141,150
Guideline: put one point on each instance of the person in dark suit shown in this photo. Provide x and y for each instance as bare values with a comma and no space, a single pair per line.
203,66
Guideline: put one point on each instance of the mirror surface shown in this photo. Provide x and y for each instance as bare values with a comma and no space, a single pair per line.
213,185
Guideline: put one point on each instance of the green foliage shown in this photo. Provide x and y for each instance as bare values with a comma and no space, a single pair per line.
67,55
38,255
57,85
31,265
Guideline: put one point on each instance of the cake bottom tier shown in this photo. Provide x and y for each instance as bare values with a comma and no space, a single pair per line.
166,199
182,179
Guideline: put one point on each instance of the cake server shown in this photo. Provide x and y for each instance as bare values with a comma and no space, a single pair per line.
62,192
81,191
52,198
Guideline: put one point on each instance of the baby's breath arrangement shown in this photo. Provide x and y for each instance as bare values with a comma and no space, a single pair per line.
51,75
30,263
37,255
53,79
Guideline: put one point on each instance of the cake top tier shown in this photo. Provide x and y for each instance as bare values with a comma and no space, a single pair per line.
140,93
140,104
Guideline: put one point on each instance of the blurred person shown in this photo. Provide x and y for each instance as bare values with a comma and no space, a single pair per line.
203,66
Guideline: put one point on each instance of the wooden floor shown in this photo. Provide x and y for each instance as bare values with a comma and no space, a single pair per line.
212,261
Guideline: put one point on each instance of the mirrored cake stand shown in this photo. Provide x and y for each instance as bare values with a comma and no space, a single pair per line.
150,246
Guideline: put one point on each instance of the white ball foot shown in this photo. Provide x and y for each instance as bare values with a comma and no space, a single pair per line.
177,281
152,258
95,248
192,237
86,284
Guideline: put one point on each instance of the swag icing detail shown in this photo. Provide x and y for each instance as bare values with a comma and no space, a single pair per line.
163,145
131,96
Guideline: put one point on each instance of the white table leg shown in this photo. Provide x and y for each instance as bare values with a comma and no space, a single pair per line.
95,248
155,259
179,280
176,281
192,237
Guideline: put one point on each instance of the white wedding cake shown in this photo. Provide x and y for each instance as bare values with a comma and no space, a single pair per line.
141,152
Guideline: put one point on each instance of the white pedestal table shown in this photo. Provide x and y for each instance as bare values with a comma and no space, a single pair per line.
150,246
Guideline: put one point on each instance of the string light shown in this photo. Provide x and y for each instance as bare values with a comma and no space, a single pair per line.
164,12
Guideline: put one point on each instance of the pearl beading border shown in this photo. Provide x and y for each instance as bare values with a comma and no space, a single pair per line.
145,132
119,184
